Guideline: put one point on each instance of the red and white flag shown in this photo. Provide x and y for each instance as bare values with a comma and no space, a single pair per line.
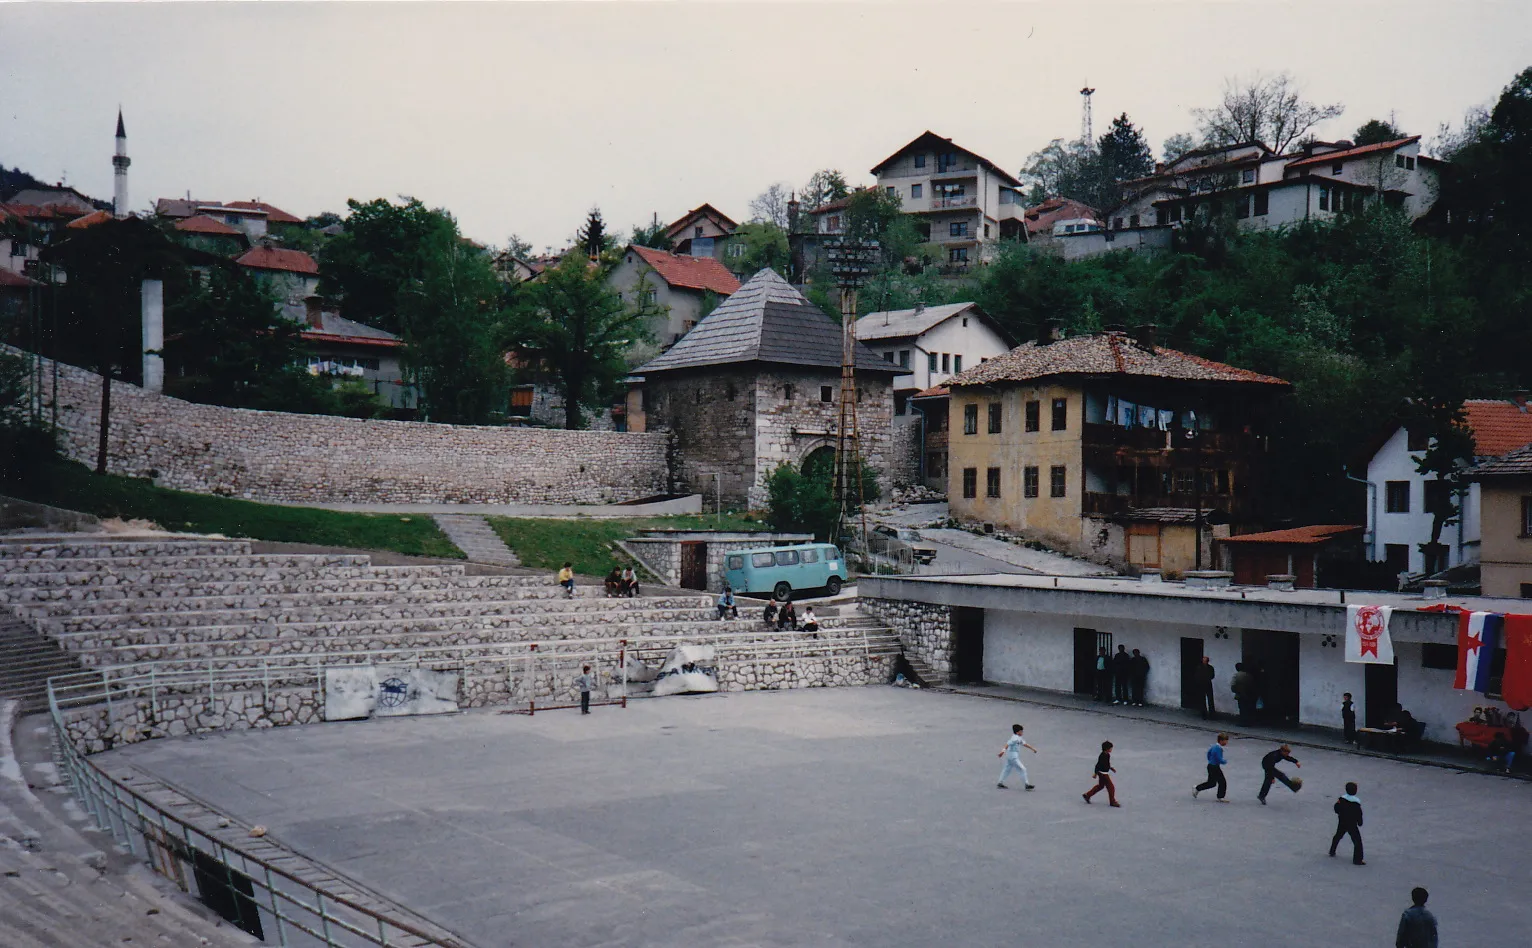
1367,635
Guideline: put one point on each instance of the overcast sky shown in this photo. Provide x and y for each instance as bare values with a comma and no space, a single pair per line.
518,117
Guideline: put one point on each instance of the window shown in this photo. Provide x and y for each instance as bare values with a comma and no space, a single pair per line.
957,362
826,393
1396,497
994,418
958,255
787,392
901,403
1034,415
970,419
1247,176
1324,199
1526,590
888,357
920,161
1409,163
1132,220
1397,556
736,249
930,362
904,358
833,223
1262,203
762,559
832,554
697,231
1056,482
1526,516
992,482
1221,482
1060,414
521,402
730,391
1438,655
892,191
946,362
957,229
1337,167
812,556
1029,482
1182,481
1116,225
735,562
651,295
1398,161
947,161
917,191
970,482
787,557
1242,207
986,230
1161,217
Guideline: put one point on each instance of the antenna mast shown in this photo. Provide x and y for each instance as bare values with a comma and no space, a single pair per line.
851,261
1086,133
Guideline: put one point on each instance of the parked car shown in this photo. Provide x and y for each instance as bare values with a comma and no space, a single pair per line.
782,570
922,552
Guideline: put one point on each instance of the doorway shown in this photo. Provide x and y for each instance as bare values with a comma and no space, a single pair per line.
1088,643
1191,687
1380,693
968,644
1273,658
693,565
227,892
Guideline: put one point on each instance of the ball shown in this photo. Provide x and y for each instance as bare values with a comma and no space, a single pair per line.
1297,784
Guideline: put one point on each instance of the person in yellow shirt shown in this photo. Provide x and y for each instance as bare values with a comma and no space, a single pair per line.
566,579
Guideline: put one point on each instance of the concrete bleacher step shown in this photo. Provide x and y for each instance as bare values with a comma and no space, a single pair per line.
117,564
27,661
477,539
33,547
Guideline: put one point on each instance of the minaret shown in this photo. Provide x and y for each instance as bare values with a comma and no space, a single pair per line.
120,162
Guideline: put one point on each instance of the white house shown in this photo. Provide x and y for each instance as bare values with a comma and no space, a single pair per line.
679,285
1398,524
933,342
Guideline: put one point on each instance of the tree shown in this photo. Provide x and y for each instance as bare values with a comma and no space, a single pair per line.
1177,145
824,186
1375,132
579,329
592,236
803,500
1059,169
765,245
652,236
519,248
770,206
1265,108
378,256
1123,156
454,331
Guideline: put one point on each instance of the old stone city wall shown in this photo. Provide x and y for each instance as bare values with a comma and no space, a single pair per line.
276,456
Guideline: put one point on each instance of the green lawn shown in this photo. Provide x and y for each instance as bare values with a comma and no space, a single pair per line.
74,487
590,544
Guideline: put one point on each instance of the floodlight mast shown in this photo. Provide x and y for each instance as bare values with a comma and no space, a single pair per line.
850,260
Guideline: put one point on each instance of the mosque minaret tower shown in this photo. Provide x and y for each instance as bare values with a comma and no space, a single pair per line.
120,162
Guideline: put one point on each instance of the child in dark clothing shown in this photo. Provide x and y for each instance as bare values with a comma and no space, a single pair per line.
1103,774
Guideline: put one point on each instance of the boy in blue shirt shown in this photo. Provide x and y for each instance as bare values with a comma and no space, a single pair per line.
1216,762
1012,755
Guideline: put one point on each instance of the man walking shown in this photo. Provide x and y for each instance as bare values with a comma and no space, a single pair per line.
1216,762
1348,822
1205,682
1417,926
1103,773
1103,675
1140,677
1269,765
1243,686
1122,677
1012,755
583,682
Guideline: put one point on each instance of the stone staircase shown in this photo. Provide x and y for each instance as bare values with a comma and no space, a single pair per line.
27,660
477,539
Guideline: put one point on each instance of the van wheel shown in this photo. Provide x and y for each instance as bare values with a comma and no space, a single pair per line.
782,592
833,586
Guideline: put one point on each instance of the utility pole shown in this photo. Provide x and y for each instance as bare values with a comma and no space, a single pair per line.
851,262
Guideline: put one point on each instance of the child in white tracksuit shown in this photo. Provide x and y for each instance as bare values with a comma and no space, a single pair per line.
1012,755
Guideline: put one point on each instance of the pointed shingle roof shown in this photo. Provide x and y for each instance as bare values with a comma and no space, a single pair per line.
765,320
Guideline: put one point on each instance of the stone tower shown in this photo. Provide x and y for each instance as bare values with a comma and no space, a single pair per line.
120,162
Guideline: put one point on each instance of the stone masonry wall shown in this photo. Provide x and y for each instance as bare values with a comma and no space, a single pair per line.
924,630
788,430
905,449
276,456
711,418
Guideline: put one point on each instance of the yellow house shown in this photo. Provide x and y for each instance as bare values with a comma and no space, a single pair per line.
1505,525
1107,445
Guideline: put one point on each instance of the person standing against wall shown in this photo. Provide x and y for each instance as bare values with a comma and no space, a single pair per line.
1243,686
1205,674
1140,677
1348,719
1216,764
1103,675
1122,677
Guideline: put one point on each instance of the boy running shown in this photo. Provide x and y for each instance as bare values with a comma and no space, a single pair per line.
1103,773
1216,763
1012,755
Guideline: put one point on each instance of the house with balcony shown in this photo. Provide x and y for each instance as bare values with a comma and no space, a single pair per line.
931,344
963,202
701,232
1110,446
1399,496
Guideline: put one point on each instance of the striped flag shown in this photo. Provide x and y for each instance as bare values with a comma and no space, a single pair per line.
1479,635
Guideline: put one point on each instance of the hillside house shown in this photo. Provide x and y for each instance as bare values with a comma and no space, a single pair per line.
342,348
1107,445
1505,494
681,287
291,275
701,232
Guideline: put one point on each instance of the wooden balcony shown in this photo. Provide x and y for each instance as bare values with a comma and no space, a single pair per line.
954,203
1100,439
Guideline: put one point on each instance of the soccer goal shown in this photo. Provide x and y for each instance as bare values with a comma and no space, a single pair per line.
545,677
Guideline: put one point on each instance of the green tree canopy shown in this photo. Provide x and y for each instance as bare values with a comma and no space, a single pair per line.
377,256
1376,131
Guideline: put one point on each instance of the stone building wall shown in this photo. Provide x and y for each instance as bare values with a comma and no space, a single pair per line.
793,421
276,456
904,449
925,630
711,417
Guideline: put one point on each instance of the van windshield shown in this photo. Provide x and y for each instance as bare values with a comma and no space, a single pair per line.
761,559
831,553
787,558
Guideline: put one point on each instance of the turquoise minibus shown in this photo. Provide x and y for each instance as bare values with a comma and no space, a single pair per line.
782,570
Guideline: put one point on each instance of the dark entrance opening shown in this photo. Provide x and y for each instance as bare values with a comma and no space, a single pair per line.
968,644
1380,693
694,565
227,892
1273,658
1088,642
1191,686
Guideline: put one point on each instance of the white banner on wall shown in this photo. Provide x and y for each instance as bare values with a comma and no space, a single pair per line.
1367,638
362,691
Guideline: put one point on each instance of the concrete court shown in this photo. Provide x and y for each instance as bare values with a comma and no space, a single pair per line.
862,816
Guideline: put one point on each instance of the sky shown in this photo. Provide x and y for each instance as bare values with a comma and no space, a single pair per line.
518,117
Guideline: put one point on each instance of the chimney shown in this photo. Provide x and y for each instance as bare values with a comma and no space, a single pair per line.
1146,335
1520,398
1050,331
920,307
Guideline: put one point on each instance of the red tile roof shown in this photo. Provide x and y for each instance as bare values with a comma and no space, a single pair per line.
12,278
278,258
1499,427
692,273
89,220
930,139
935,391
835,205
203,224
1297,536
1333,156
1041,217
1106,353
274,215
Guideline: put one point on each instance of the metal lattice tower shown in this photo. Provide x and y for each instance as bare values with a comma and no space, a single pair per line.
851,261
1087,135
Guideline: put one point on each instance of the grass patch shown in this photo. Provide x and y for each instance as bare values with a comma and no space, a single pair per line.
590,543
72,486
